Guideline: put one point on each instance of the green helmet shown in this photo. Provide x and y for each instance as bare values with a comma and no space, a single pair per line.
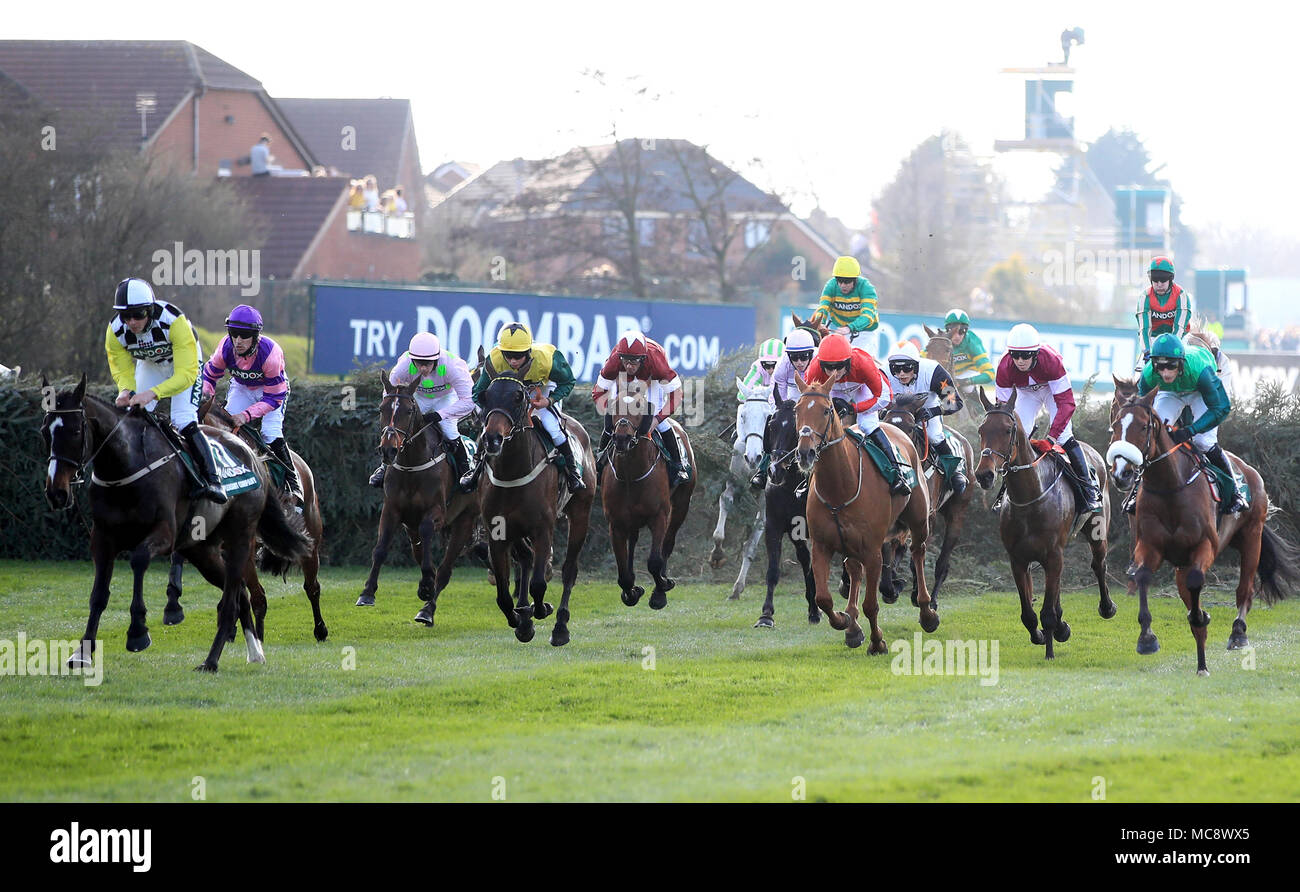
956,317
1161,264
1168,346
771,350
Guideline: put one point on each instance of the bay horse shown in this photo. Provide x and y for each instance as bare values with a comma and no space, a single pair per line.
746,453
139,499
521,496
902,415
636,492
420,495
785,507
1038,520
1176,522
216,416
853,512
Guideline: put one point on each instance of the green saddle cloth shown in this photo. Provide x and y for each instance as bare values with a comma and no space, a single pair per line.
884,463
236,477
1225,485
658,439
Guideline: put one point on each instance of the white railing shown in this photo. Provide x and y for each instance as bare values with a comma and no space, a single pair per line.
379,223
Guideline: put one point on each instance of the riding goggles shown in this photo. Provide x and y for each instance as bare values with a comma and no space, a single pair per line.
1168,366
799,355
241,332
1162,277
957,329
902,368
768,366
1023,354
134,313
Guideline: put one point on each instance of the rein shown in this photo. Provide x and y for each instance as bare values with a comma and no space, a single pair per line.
1008,469
636,441
817,451
95,479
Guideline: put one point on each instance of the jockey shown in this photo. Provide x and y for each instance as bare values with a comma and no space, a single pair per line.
545,369
800,344
760,373
848,305
1165,306
151,346
1185,377
970,361
445,394
870,393
259,384
910,374
1036,373
636,357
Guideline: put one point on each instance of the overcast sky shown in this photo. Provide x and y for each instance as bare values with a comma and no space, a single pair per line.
831,97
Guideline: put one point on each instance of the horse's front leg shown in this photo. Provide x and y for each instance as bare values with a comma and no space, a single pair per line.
237,550
430,523
159,541
500,568
657,564
1190,582
461,530
1148,560
173,613
747,557
821,568
1054,628
387,526
537,585
624,544
102,550
719,557
1025,587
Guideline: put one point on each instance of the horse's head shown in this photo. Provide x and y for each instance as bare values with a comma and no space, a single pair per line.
1137,435
629,404
64,433
751,421
399,415
783,440
1125,389
1001,436
816,419
901,413
1200,334
505,410
938,348
813,323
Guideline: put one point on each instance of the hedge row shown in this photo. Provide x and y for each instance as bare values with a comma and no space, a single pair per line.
335,427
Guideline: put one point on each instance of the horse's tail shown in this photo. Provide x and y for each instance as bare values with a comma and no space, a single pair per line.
284,537
1279,566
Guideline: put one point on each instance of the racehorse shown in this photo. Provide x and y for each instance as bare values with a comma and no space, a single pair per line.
139,499
786,513
853,512
218,417
1176,522
636,492
1038,519
416,491
746,452
902,415
939,348
520,498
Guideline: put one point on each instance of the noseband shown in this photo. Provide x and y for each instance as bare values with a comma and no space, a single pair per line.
807,431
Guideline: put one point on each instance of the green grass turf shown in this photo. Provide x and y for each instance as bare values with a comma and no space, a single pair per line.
728,713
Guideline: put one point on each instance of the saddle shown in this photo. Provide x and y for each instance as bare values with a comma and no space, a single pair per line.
1057,455
883,463
236,477
1221,483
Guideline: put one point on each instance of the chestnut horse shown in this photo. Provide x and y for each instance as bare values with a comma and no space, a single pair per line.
1176,522
636,492
1037,521
852,511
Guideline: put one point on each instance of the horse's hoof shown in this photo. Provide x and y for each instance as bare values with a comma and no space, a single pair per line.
1062,631
658,599
542,610
1107,610
929,621
1148,644
321,632
366,601
765,622
559,636
734,596
525,632
717,558
632,595
1036,637
424,592
878,647
425,616
1203,673
79,661
206,666
1237,642
173,617
137,643
814,617
669,583
889,597
855,637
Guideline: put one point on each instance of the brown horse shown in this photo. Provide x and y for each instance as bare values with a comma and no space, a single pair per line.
1176,522
416,490
939,348
139,498
520,500
852,511
902,415
1038,518
636,492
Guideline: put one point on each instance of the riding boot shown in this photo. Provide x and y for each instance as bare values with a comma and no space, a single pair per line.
673,451
1220,461
1092,498
469,480
458,454
203,455
1000,501
602,454
898,486
292,485
377,478
571,473
957,480
759,480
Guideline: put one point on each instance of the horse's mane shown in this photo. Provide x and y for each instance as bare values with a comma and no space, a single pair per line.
910,402
1199,330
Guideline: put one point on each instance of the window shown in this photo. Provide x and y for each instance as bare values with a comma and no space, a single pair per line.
645,228
697,238
756,233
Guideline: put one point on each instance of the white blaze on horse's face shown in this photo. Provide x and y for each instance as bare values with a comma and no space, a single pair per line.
1122,454
54,426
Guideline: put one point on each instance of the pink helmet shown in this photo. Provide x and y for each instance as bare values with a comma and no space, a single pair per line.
425,346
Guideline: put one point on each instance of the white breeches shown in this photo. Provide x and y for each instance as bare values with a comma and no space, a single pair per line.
1169,406
185,405
1028,404
240,398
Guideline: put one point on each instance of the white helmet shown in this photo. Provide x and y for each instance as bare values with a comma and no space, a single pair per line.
799,339
1023,337
904,351
132,293
424,345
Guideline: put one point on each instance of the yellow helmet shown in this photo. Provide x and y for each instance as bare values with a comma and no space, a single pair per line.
846,268
515,338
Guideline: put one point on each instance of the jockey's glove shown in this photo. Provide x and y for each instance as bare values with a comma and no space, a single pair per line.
1181,435
434,417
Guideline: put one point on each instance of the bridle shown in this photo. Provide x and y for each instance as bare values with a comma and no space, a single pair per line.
515,423
1147,460
86,461
402,435
1007,469
759,434
807,431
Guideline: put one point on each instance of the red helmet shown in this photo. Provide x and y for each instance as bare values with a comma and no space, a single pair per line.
632,343
834,348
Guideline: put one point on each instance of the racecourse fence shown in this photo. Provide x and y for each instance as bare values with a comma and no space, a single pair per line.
335,428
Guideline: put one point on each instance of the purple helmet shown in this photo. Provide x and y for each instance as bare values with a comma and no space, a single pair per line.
244,316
